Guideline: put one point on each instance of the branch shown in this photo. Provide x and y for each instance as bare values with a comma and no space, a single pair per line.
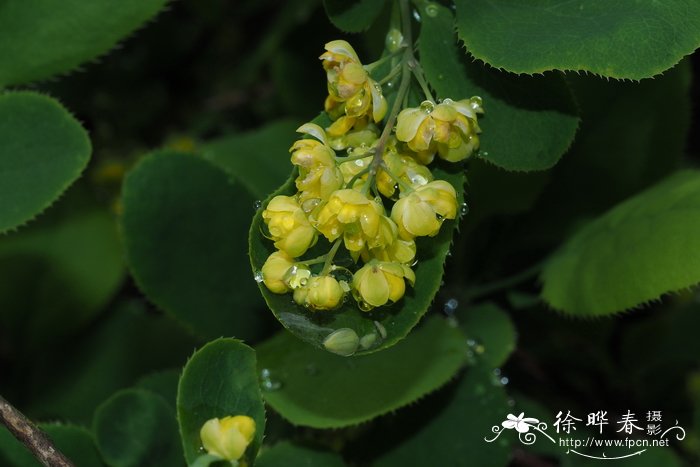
32,437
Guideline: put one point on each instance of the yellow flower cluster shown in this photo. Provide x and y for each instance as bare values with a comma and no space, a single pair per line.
368,194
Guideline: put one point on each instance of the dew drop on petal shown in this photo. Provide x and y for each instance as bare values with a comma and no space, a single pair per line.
427,106
259,276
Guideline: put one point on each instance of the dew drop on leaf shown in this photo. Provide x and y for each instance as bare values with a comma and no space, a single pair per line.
451,306
267,382
431,10
257,204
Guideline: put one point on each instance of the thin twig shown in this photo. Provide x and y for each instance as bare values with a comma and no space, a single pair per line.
31,436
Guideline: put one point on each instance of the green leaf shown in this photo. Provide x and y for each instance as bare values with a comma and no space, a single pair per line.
164,383
453,433
490,332
137,428
286,454
358,389
623,39
44,149
634,253
185,227
259,159
70,384
529,121
41,38
75,442
220,380
353,15
58,274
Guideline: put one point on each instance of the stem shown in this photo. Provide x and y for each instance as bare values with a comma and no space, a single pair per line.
329,257
402,91
356,177
33,438
418,73
309,262
371,66
491,287
392,74
393,176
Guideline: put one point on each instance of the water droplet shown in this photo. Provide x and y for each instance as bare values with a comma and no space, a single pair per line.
476,346
201,449
267,382
504,380
343,341
368,340
259,276
364,306
380,328
441,76
464,209
431,10
427,106
350,151
475,102
257,204
390,84
451,306
360,163
416,15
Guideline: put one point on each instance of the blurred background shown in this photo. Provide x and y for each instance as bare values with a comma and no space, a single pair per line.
74,328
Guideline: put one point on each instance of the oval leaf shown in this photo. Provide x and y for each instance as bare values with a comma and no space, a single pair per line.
621,39
220,380
137,428
359,389
639,250
268,147
353,15
456,429
286,454
184,227
42,38
536,110
397,319
43,150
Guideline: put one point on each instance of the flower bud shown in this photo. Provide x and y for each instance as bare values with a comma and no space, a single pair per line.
274,271
422,211
379,282
320,293
228,437
288,226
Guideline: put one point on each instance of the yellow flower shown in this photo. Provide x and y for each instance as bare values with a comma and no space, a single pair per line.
422,211
318,174
379,282
228,437
274,271
288,226
350,88
320,293
387,246
449,128
351,214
